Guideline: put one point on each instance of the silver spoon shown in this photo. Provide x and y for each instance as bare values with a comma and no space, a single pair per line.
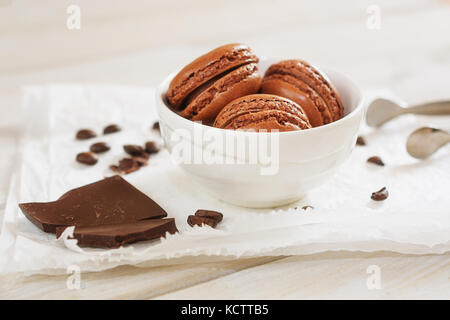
382,110
425,141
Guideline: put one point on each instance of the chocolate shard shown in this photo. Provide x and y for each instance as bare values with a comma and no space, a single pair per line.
109,201
116,235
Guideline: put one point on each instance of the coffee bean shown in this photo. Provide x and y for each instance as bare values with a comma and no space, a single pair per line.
87,158
126,165
200,221
307,207
217,216
376,160
380,195
99,147
111,129
84,134
156,127
134,150
360,141
152,147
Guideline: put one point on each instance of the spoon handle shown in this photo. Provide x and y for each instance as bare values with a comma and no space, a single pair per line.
431,108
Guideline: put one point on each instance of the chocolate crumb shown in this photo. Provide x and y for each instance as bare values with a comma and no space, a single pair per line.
380,195
376,160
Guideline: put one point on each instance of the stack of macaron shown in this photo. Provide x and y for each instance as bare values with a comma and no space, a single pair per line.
223,88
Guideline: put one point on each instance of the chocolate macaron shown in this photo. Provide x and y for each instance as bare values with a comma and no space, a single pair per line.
299,81
262,112
202,88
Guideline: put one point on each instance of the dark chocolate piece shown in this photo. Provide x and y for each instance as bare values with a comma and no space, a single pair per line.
109,201
84,134
209,214
152,147
116,235
208,217
111,129
360,141
380,195
376,160
99,147
200,221
87,158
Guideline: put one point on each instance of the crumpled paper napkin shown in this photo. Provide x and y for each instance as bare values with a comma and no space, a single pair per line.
415,219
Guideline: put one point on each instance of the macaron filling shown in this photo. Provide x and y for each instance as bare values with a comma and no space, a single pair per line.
204,95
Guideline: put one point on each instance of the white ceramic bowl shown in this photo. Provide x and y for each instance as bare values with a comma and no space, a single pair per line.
306,158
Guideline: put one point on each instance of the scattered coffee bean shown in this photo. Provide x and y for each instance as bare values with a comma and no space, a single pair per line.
152,147
200,221
87,158
156,127
84,134
134,150
360,141
376,160
307,207
380,195
111,129
128,165
99,147
209,214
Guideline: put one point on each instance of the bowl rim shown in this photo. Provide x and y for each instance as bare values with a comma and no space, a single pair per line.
160,94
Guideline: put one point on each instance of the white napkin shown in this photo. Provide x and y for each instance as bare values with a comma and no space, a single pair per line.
414,219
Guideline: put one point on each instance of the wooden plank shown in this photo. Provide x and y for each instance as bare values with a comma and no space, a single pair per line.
332,275
125,282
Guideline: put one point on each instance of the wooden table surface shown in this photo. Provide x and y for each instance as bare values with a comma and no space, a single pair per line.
138,42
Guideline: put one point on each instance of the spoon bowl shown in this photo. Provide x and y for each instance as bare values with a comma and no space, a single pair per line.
425,141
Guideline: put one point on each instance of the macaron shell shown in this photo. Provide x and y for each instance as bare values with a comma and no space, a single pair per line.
207,104
285,89
268,120
205,68
303,71
253,111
